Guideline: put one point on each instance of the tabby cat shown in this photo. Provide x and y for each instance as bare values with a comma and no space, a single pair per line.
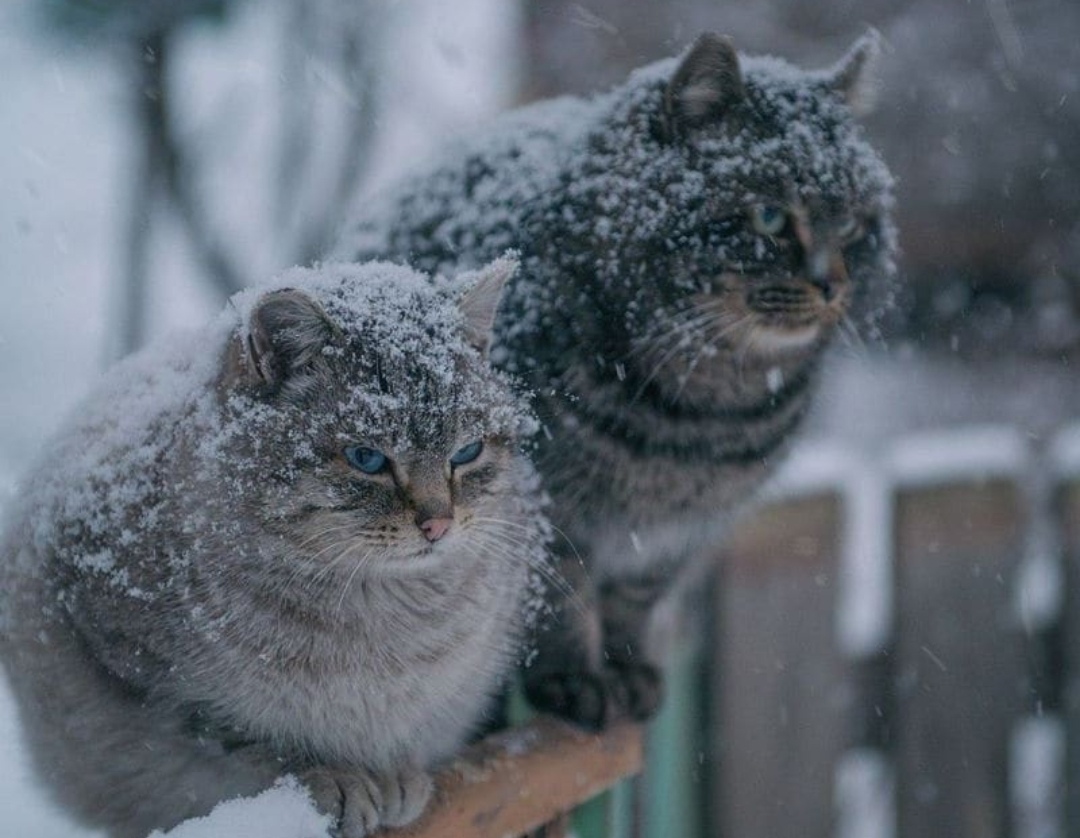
691,241
280,546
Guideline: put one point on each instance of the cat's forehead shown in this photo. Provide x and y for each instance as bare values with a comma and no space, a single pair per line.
793,139
403,401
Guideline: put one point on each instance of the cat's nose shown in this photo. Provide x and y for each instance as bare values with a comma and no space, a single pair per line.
435,528
826,271
824,285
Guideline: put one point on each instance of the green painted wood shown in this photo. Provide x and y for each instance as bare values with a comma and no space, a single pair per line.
592,820
673,804
1069,510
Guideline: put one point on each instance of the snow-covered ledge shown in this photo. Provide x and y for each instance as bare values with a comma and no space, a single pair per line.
511,783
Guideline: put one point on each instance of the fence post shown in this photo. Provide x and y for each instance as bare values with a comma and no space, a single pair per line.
780,686
959,663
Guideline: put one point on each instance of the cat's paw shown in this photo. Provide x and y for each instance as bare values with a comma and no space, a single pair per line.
594,700
362,801
635,687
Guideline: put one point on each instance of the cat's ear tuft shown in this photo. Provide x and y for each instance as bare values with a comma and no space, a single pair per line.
287,332
855,77
481,301
704,86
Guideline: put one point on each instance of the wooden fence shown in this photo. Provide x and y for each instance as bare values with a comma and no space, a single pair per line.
890,649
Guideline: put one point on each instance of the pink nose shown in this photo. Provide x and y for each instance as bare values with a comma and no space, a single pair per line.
435,528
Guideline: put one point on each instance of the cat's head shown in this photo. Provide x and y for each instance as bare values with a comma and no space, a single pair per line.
765,220
364,417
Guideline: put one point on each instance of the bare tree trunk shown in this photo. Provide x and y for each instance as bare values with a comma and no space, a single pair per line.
145,183
178,175
301,224
357,28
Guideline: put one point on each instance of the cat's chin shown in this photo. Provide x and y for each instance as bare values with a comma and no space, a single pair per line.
422,560
771,341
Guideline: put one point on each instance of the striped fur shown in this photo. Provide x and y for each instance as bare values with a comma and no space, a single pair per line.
690,243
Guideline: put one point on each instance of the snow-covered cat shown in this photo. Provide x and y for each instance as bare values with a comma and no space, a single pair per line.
690,243
297,542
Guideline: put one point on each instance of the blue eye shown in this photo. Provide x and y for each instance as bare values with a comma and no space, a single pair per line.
367,460
768,219
467,453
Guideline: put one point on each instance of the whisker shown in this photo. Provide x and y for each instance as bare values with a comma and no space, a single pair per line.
361,562
514,524
710,341
695,324
492,538
311,560
849,334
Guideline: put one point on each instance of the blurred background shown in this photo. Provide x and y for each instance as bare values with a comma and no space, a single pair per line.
157,155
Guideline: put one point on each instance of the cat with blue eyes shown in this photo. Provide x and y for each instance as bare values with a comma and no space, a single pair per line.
299,542
691,242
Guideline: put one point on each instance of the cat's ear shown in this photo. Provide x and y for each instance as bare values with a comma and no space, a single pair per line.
854,76
704,86
480,301
287,332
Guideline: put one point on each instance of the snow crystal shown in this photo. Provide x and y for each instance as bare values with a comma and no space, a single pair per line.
284,811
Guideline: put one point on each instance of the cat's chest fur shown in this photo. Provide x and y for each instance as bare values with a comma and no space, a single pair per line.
672,474
388,675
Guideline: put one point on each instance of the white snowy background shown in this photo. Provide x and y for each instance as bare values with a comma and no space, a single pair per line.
64,160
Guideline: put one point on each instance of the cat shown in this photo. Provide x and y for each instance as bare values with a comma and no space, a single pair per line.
690,241
300,542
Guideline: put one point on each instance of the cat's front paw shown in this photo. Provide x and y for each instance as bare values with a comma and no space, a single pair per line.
594,700
362,801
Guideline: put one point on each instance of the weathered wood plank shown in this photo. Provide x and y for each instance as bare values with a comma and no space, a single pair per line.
519,780
779,687
959,657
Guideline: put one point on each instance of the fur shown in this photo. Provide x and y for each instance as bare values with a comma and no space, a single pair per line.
672,337
203,592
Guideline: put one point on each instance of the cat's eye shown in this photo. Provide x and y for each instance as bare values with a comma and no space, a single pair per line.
768,219
467,453
849,230
367,460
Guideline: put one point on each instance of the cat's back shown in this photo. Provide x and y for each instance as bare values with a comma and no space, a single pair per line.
100,474
464,207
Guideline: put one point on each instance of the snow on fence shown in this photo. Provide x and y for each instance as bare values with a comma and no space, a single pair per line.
899,644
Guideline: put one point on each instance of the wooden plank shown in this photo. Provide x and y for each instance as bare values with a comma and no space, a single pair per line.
959,657
521,779
779,680
1069,508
